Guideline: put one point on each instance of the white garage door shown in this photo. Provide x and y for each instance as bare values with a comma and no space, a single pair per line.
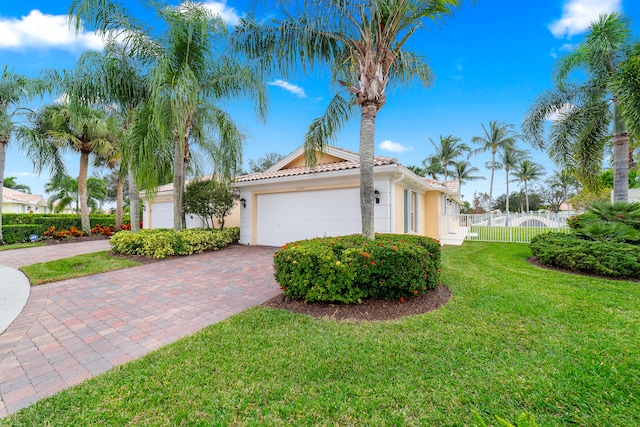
162,215
287,217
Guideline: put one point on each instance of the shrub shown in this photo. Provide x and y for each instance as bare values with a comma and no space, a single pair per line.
568,251
160,243
350,268
20,232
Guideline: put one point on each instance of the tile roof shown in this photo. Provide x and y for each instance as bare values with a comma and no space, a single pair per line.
11,195
305,170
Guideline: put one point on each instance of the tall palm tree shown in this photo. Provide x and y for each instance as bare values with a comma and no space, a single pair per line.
510,156
499,136
15,90
10,182
448,149
527,171
118,81
432,167
364,45
190,75
464,172
584,111
82,129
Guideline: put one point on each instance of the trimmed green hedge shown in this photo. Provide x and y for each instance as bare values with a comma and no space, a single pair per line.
21,232
161,243
351,268
17,228
569,252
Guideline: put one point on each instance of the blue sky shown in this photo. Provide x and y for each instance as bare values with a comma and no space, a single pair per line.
491,60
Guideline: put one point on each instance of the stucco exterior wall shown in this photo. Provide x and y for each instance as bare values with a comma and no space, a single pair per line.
431,215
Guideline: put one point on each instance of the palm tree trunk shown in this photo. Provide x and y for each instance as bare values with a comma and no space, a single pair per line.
82,192
3,155
134,202
367,131
507,213
178,185
620,156
526,194
119,202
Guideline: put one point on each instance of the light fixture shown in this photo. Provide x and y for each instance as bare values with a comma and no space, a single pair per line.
243,202
144,208
377,195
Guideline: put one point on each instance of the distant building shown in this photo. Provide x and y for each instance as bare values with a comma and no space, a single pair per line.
14,201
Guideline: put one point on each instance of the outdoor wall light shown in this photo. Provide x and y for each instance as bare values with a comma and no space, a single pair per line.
144,208
243,202
377,195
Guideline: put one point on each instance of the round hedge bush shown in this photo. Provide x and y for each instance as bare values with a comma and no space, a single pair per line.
351,268
569,252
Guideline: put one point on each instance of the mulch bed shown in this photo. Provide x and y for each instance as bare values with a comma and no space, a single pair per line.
369,310
51,242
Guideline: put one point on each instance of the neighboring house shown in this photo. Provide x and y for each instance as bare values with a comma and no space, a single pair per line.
14,201
291,201
157,211
634,195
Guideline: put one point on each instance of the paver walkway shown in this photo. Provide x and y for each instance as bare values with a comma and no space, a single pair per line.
21,257
72,330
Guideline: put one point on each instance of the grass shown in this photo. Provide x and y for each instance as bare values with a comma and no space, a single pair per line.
514,338
20,246
77,266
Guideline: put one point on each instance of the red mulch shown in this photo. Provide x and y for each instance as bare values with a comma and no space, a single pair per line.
368,310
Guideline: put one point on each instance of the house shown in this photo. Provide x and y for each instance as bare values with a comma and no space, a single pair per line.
14,201
291,201
157,211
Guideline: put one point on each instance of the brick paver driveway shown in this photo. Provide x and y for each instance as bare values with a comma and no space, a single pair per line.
72,330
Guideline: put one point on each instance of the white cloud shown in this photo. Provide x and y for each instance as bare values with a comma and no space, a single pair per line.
38,30
393,147
577,15
228,14
568,47
296,90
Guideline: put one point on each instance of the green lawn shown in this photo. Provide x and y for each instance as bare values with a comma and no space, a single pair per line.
77,266
20,246
514,338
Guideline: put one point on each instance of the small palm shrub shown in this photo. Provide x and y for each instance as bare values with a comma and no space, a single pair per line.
570,252
617,212
603,231
351,268
163,243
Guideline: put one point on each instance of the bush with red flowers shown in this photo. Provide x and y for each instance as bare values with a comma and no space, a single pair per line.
351,268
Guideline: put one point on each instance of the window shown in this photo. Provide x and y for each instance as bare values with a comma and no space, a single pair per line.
410,211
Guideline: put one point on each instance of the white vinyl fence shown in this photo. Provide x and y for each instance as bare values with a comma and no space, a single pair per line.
512,227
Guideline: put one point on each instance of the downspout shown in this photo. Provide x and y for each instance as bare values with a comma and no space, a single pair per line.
392,195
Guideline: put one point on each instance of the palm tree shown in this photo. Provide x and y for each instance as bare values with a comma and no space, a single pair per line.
526,171
510,157
15,89
448,150
10,182
584,111
432,167
499,136
189,76
363,44
463,172
79,128
63,190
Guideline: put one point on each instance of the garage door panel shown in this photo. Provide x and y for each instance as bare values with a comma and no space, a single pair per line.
286,217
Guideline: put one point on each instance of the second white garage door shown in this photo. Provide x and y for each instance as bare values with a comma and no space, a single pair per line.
287,217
